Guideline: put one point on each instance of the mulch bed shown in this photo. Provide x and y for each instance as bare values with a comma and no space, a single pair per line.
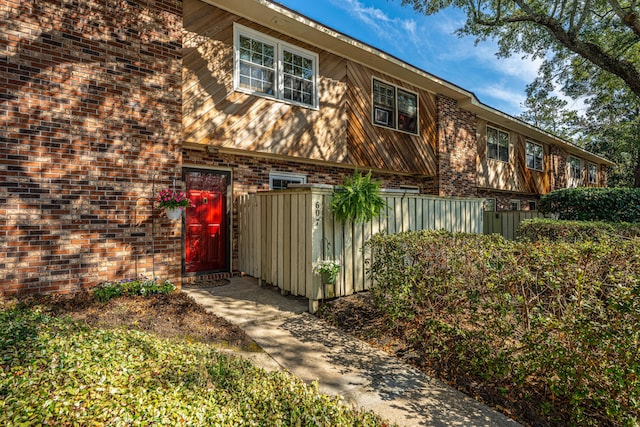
175,316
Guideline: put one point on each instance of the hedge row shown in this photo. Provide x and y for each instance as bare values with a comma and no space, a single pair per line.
576,231
556,325
593,204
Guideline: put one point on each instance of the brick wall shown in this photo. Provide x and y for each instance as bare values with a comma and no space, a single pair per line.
90,120
457,149
251,174
559,162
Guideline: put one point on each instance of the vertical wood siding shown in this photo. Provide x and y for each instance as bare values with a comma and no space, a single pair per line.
283,235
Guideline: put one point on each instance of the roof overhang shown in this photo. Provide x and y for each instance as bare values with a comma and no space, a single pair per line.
300,27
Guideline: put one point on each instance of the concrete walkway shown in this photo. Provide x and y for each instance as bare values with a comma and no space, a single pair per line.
314,351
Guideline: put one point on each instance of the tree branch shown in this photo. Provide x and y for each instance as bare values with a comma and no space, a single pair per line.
628,16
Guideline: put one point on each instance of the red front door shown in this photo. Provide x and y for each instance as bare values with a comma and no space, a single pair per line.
206,237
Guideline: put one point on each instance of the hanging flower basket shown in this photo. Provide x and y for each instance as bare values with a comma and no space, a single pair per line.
173,203
173,214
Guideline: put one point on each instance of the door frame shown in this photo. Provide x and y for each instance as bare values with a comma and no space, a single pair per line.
229,223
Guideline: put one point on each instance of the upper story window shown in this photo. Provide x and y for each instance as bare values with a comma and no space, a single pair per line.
281,180
394,108
535,154
266,66
575,168
593,173
497,144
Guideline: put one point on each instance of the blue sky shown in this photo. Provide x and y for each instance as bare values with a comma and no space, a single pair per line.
428,42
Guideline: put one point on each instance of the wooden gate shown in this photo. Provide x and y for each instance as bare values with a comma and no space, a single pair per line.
506,223
283,235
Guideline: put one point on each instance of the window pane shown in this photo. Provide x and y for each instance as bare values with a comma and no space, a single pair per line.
384,104
407,111
530,161
256,65
298,82
534,156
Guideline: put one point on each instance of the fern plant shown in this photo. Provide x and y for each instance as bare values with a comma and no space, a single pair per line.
357,199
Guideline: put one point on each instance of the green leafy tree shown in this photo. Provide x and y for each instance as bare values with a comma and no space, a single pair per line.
613,130
579,38
610,126
549,112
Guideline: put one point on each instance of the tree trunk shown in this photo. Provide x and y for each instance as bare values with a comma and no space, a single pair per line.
636,170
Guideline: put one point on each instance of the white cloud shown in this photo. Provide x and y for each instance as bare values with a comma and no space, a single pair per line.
403,33
501,92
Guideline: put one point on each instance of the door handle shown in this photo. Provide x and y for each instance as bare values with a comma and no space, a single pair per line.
205,200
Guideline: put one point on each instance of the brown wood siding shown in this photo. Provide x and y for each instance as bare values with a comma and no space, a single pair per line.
512,176
214,114
375,146
531,180
494,173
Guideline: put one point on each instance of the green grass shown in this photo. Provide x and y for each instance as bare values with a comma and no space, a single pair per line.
55,371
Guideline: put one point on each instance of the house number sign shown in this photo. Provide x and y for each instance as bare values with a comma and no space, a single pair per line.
318,213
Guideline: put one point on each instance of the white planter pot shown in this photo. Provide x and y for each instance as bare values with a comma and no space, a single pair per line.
173,214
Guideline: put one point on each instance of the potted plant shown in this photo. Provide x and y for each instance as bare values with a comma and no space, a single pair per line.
329,270
173,202
358,199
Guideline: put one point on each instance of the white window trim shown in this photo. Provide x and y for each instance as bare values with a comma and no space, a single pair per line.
508,145
286,176
595,181
518,203
395,108
527,141
279,47
535,204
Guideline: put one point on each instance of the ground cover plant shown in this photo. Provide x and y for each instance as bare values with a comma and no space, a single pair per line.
81,362
547,332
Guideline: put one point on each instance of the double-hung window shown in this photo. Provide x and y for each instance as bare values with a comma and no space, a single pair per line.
266,66
575,168
534,156
394,108
593,173
497,144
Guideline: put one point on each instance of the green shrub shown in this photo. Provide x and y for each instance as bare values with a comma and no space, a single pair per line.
130,287
593,204
576,231
58,372
548,322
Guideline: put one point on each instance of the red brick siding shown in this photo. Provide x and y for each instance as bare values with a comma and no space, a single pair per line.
457,149
559,162
90,117
251,174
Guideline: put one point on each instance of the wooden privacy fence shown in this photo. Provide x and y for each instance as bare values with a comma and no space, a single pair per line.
283,235
507,222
